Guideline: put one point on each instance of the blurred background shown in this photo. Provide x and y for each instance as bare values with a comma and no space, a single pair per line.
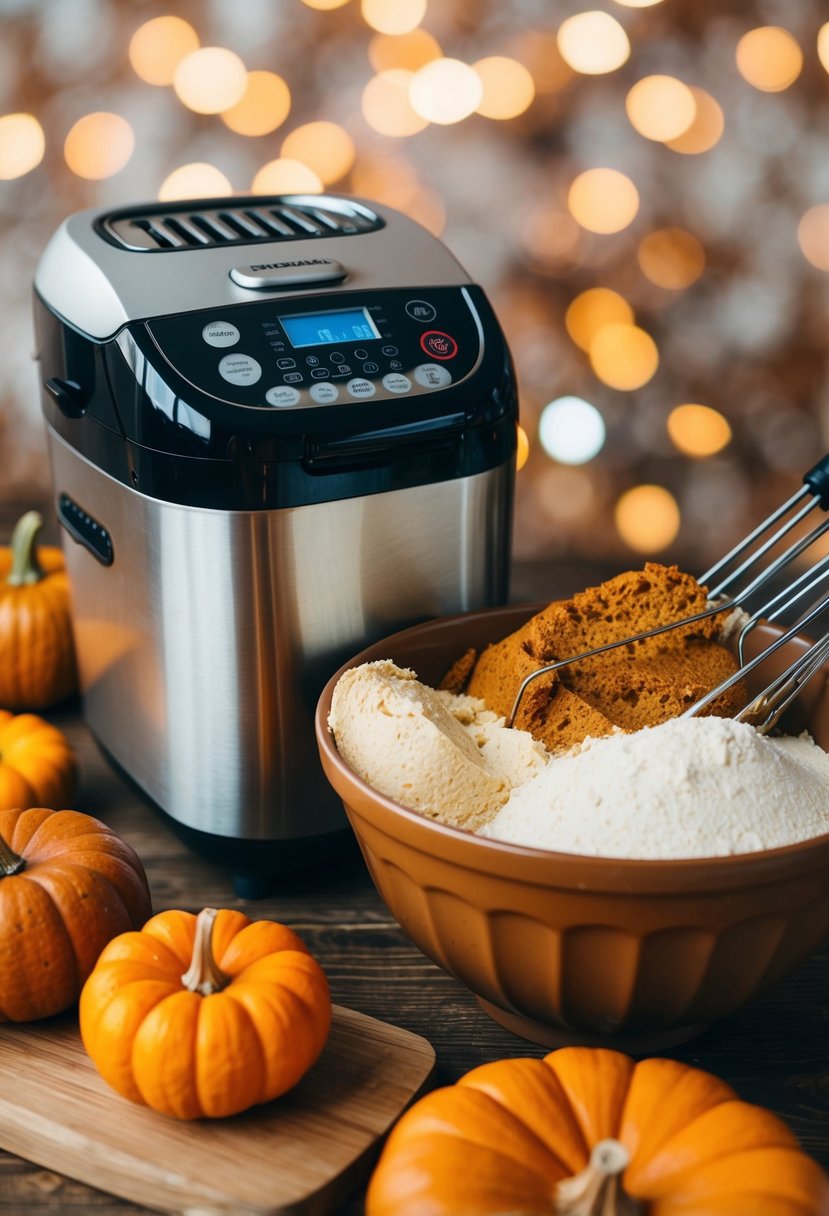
641,188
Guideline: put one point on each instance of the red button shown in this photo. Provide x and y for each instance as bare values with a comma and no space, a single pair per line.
438,344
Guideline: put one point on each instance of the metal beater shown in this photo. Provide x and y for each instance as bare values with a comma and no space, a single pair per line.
766,708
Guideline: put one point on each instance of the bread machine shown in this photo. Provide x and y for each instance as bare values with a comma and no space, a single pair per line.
280,428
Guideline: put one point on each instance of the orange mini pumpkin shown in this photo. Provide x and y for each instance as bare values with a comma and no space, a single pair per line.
37,764
67,885
37,651
205,1016
588,1132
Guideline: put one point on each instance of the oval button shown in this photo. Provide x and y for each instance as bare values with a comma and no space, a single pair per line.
220,333
432,375
395,383
359,387
281,395
324,394
239,369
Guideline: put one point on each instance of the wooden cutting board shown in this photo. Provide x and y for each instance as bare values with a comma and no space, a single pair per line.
304,1154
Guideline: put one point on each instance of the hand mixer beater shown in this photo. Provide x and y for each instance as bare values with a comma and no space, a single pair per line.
748,576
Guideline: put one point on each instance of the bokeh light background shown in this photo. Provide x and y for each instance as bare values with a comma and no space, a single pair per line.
641,187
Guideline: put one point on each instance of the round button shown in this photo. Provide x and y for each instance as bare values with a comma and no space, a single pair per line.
324,393
432,375
395,383
359,387
421,310
360,353
281,394
390,350
239,369
438,344
337,356
220,333
312,360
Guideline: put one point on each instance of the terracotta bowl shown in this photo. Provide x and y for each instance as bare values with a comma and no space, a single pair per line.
561,948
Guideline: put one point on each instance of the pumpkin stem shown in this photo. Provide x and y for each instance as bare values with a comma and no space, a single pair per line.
597,1190
10,862
26,568
203,975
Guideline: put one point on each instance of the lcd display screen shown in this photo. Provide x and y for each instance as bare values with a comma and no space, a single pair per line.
322,328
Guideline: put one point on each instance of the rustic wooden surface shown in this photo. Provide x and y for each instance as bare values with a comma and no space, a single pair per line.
774,1052
303,1154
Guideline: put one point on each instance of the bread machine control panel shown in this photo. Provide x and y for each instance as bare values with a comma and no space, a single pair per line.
326,350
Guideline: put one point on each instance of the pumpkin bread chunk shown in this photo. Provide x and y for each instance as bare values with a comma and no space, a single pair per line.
635,692
457,677
638,685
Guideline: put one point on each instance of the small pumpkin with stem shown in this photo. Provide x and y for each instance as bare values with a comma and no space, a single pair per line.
37,651
68,885
589,1132
205,1016
37,763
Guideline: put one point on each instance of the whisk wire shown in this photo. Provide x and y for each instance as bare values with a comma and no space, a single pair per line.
781,691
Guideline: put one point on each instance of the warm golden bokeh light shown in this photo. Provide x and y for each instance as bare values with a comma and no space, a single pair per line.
324,147
393,16
158,46
593,43
445,91
286,176
386,177
195,180
548,239
660,107
408,51
603,200
672,258
770,58
813,235
823,45
623,356
427,207
647,518
99,145
592,310
264,105
210,80
522,452
325,5
538,51
22,144
508,87
386,105
697,430
565,495
706,128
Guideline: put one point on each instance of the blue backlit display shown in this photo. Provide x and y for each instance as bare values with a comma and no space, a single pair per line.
321,328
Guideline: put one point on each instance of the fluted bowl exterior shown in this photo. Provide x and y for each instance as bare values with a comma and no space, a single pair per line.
567,948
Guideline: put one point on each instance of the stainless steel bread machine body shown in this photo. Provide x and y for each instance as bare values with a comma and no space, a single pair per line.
280,428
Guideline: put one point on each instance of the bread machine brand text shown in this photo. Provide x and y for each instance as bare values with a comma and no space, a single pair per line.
299,262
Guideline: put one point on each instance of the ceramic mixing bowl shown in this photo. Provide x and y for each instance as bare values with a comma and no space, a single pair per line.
561,948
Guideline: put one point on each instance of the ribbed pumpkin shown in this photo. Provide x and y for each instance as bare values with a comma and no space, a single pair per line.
37,652
37,764
205,1016
67,885
588,1132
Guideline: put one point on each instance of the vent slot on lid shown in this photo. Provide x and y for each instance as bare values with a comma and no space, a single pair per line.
256,221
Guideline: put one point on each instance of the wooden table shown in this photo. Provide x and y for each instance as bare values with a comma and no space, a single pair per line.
774,1052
